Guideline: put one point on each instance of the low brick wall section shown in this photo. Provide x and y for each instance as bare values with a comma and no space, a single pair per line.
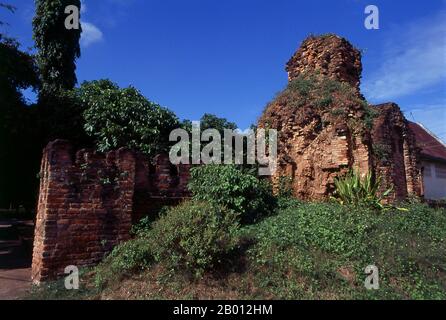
89,200
158,183
396,156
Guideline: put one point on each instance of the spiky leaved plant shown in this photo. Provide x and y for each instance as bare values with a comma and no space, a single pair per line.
353,189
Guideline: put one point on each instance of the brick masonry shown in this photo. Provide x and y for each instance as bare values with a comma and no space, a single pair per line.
396,155
317,144
89,200
328,55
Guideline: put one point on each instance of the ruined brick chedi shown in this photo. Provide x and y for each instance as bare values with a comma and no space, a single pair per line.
326,127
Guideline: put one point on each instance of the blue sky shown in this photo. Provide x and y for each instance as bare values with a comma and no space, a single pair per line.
228,57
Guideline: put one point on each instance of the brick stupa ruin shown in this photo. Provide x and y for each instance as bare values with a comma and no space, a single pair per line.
327,128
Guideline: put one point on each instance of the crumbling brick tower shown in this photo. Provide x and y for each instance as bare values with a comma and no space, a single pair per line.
325,126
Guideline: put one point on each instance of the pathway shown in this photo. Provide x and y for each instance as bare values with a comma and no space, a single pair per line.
15,258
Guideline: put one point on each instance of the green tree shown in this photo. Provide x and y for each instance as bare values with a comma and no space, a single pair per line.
122,117
211,121
17,129
58,47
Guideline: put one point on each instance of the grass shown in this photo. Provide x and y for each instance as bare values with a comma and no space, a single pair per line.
304,251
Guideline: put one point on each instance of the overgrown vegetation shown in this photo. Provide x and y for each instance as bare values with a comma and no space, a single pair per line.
283,249
199,250
117,117
193,237
315,94
382,152
304,251
228,186
326,248
58,47
318,90
190,238
353,189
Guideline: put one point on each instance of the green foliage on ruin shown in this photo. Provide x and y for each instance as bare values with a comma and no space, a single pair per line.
228,186
318,91
130,257
122,117
382,152
58,47
323,94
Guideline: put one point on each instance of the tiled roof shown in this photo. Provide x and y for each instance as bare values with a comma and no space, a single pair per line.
431,146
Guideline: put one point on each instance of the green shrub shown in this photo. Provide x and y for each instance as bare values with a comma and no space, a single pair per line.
142,227
193,236
232,188
117,117
311,251
354,190
302,85
287,202
125,259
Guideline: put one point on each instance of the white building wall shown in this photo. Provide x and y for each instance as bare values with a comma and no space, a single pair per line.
434,178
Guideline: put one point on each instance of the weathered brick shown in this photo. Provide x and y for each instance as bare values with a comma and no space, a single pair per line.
76,215
316,145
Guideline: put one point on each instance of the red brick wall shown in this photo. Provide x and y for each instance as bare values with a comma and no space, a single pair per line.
88,201
158,183
396,157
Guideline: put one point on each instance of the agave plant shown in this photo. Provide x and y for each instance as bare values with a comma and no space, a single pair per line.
354,190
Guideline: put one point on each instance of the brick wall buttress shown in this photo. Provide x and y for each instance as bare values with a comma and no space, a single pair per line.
84,207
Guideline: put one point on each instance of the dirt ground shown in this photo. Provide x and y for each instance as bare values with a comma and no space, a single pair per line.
15,258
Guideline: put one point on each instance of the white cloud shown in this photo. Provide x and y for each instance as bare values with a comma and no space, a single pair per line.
90,34
414,59
83,7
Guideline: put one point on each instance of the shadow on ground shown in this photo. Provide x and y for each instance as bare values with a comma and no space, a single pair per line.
15,258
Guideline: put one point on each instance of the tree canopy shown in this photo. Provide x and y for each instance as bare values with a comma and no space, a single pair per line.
122,117
58,47
17,72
